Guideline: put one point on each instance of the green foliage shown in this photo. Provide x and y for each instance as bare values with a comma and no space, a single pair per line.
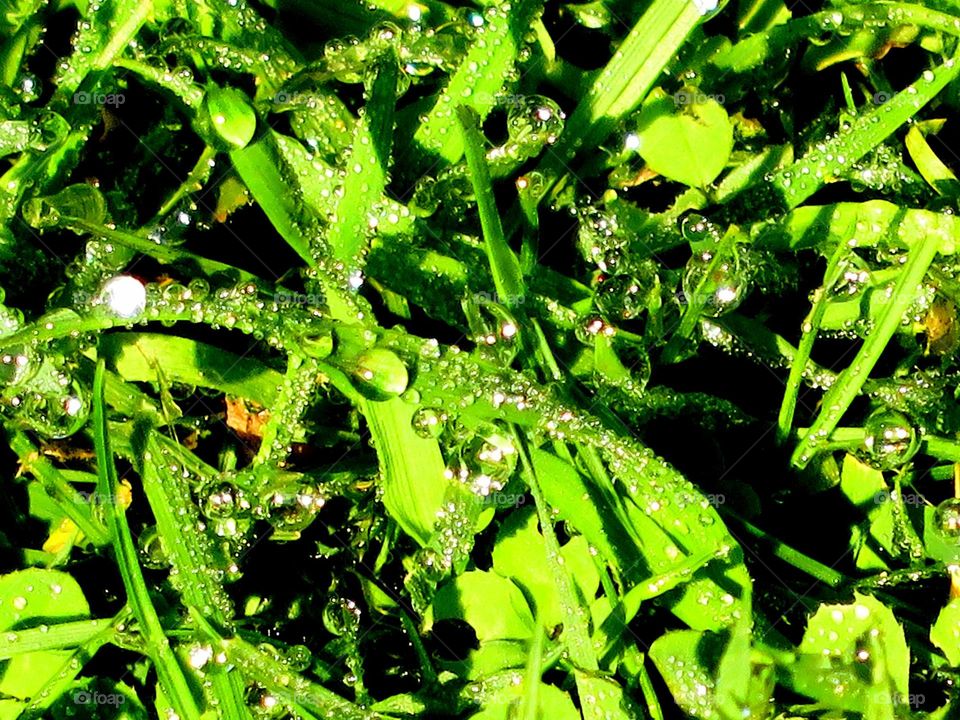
690,144
505,360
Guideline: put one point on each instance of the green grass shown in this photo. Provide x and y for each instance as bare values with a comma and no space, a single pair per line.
501,360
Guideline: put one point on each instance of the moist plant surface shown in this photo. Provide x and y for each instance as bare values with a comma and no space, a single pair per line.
507,360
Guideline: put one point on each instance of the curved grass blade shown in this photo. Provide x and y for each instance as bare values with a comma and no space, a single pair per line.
106,31
292,401
135,357
259,166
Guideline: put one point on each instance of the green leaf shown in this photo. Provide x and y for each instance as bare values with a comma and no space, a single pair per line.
865,487
491,604
269,178
686,660
366,166
28,599
690,143
412,468
938,545
231,116
520,553
744,681
854,657
597,519
850,382
945,633
934,171
552,703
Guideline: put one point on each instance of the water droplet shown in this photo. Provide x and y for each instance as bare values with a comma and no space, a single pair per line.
429,422
946,520
381,373
890,440
124,296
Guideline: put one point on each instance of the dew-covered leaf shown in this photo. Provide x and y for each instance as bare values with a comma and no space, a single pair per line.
686,660
414,484
520,554
552,703
945,633
480,77
689,143
28,599
493,605
854,657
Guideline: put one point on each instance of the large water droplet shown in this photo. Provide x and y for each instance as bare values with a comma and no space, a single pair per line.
380,373
946,520
890,440
124,296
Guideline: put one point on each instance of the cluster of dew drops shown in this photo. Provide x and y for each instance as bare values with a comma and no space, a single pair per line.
715,280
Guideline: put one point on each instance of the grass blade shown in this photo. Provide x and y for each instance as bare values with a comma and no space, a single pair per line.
171,675
842,393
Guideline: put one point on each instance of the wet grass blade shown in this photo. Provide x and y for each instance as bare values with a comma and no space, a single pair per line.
810,327
259,166
848,385
171,675
575,614
829,161
135,357
623,83
366,165
480,76
196,576
53,637
504,266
